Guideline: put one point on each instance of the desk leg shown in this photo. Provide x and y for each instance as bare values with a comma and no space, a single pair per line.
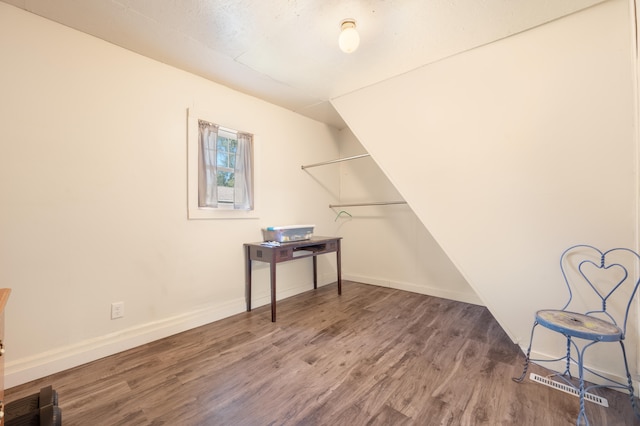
339,267
315,272
272,270
247,277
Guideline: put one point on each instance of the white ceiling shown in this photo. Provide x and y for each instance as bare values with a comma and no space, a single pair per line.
286,51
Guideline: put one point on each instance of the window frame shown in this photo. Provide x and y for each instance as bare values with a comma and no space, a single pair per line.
194,211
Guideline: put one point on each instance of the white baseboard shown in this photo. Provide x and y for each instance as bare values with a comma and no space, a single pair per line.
420,289
41,365
559,366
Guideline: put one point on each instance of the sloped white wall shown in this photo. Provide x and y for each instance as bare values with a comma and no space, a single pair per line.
93,185
388,245
512,152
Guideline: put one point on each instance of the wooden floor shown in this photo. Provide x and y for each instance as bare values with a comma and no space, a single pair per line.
373,356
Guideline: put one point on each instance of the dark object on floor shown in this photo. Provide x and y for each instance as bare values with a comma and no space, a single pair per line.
39,409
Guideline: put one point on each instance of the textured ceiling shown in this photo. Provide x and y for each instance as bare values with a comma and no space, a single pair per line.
286,52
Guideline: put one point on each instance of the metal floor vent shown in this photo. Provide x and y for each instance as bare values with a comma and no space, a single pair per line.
568,389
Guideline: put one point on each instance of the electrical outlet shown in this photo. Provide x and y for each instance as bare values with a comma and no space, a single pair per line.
117,310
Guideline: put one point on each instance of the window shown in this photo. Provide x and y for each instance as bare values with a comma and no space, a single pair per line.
225,166
221,171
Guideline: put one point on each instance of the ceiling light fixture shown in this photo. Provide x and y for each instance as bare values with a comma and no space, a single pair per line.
349,38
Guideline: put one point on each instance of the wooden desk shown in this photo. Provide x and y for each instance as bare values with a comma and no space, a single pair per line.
285,252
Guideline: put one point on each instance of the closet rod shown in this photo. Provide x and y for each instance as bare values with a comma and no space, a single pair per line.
334,161
379,203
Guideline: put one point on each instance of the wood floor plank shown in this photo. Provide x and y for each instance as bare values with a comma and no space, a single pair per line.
373,356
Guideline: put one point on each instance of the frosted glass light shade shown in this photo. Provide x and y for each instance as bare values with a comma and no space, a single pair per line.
349,39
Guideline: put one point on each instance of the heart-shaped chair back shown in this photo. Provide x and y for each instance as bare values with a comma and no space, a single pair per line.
601,283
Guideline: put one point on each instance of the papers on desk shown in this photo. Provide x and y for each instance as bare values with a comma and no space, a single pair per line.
270,244
298,253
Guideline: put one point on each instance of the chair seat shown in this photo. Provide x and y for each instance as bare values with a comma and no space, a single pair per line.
579,325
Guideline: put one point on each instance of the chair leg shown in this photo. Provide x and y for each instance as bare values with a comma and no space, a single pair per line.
567,371
527,357
629,381
582,414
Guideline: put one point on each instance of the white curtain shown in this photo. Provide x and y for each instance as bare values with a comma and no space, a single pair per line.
207,165
243,190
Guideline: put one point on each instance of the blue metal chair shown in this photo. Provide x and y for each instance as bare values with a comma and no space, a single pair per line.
592,314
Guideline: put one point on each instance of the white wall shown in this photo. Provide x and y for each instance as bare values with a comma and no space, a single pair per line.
388,245
515,151
94,205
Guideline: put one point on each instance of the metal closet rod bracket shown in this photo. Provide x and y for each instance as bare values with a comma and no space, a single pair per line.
335,161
